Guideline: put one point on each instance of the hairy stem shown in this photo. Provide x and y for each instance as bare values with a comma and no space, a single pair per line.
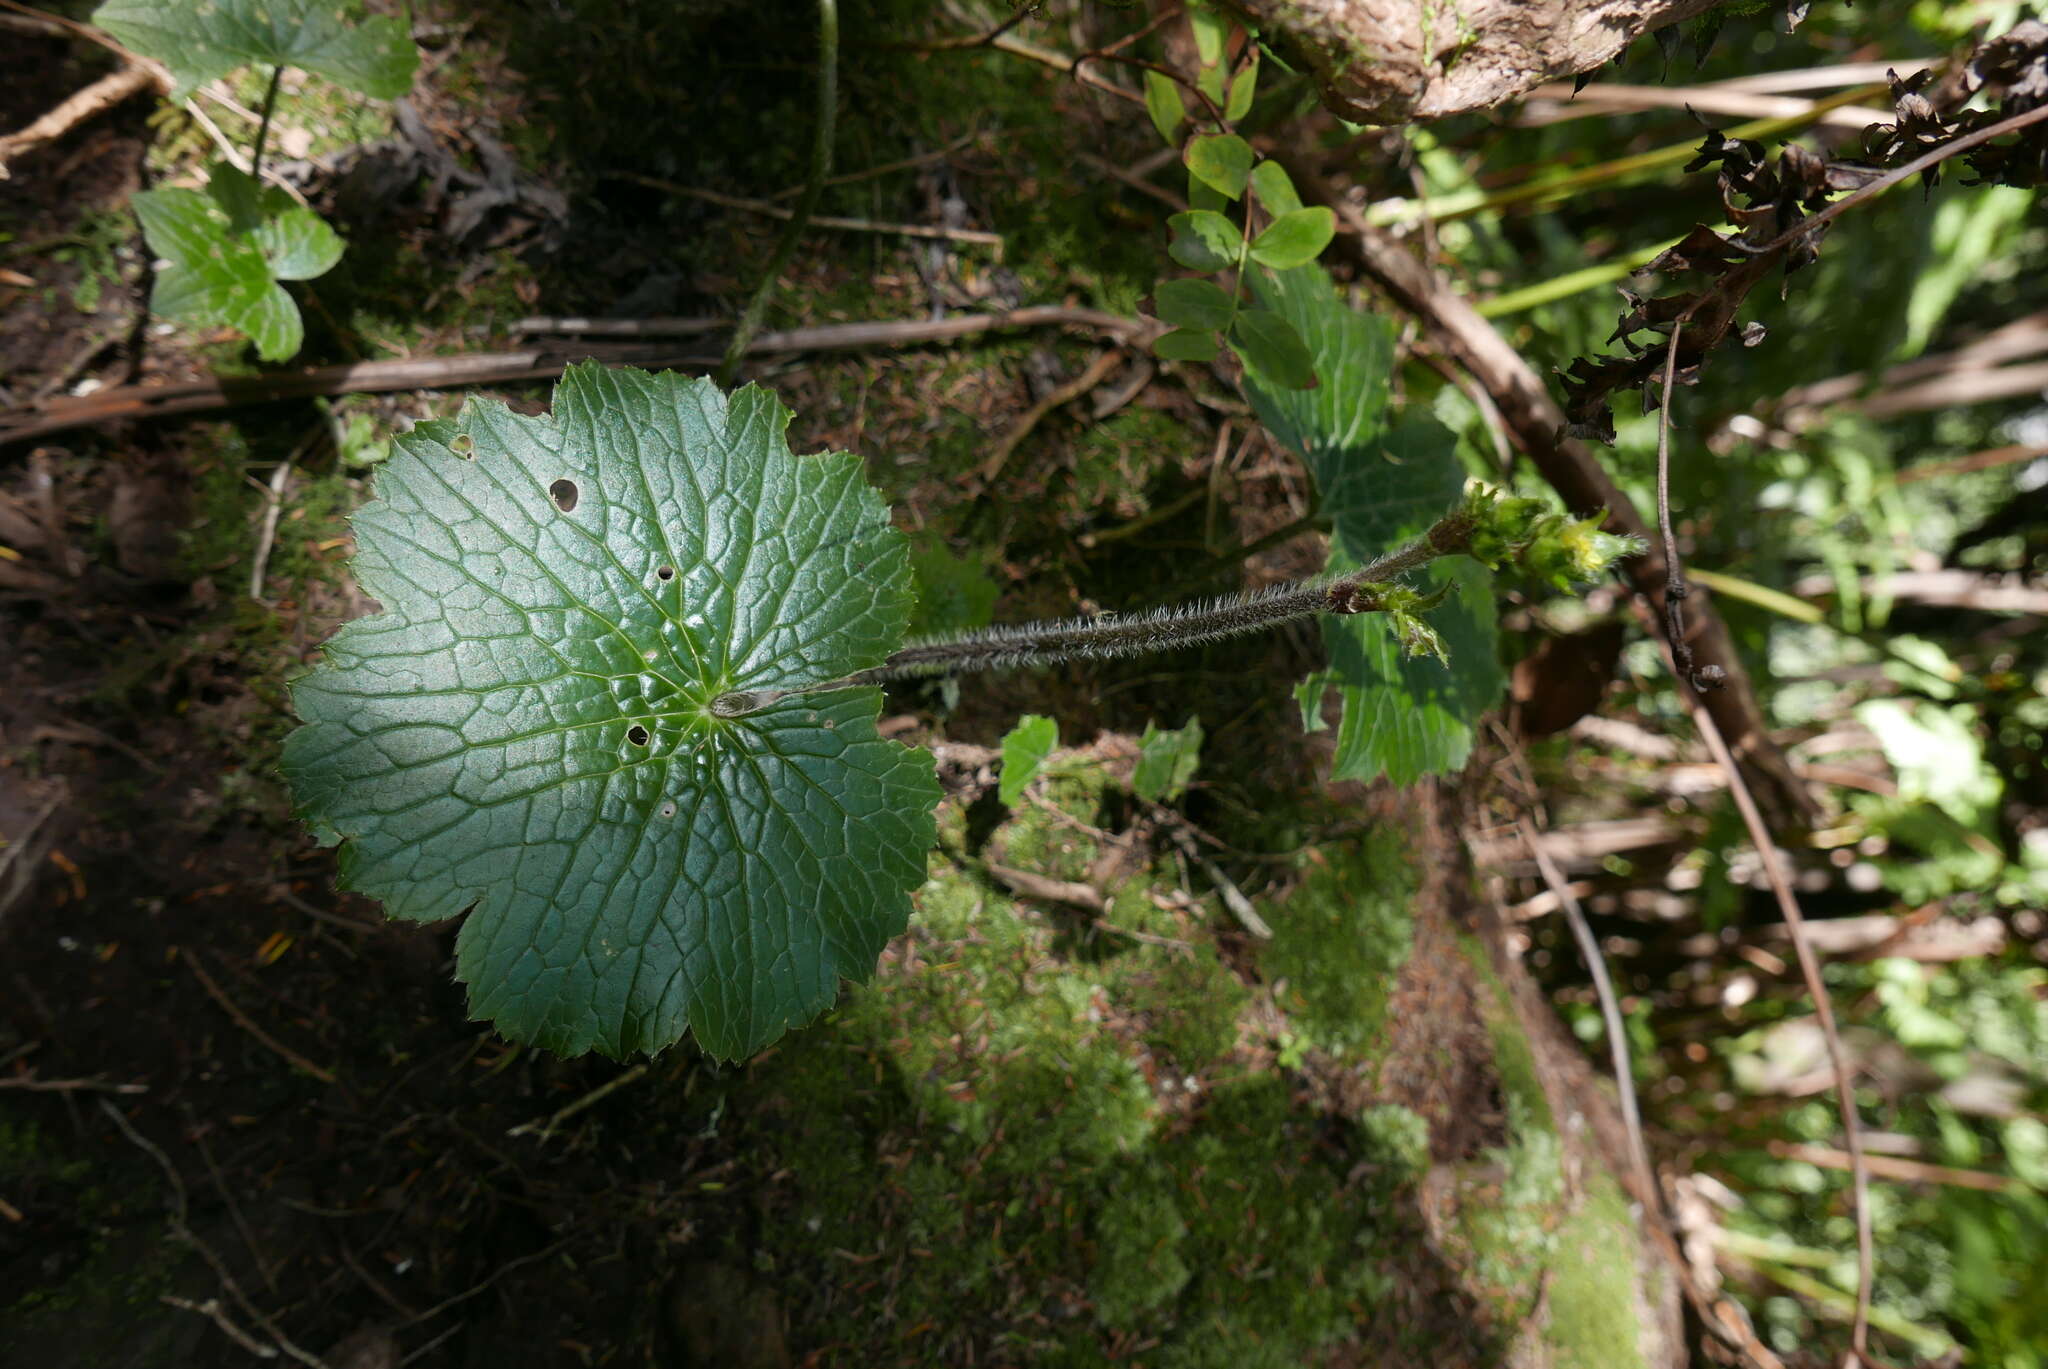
814,189
1165,629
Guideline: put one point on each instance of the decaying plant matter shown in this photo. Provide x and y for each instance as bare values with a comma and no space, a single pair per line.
1781,205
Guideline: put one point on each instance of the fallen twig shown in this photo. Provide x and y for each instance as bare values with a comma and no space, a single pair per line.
243,1020
1098,370
1557,103
180,1230
597,1095
1904,1170
95,99
273,505
35,1085
776,211
535,363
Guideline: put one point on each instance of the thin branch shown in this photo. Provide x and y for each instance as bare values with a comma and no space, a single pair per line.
823,132
97,98
1610,1010
1097,371
776,211
1823,1006
243,1020
29,422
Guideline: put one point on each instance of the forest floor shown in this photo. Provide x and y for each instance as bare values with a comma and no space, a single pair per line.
231,1096
1081,1115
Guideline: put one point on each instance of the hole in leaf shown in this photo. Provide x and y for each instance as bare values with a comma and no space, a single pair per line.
462,444
668,810
637,735
664,572
564,493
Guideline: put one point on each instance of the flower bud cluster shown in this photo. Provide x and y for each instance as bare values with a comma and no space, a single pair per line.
1552,547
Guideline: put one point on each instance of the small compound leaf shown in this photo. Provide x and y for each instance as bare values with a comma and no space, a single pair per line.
1186,344
1162,102
1243,86
527,731
1167,761
1204,241
202,40
1221,161
1194,304
1295,238
1025,749
1270,345
1276,192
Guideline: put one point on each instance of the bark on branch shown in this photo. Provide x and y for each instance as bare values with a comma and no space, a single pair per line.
1392,61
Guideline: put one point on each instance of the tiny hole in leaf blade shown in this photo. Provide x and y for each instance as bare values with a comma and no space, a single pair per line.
665,573
565,494
637,735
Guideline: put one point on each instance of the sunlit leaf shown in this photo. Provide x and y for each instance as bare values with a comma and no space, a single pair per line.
527,732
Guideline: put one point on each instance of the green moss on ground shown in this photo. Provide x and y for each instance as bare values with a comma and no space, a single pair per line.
1521,1230
1340,939
1028,1142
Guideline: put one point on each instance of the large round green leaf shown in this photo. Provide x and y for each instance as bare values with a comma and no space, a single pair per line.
526,731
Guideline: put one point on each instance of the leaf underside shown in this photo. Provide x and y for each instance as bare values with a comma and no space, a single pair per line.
1403,717
525,732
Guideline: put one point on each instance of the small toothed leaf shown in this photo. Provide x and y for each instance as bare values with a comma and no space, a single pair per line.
226,248
527,732
1403,716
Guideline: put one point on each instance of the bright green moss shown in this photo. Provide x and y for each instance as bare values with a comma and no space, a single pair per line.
1340,939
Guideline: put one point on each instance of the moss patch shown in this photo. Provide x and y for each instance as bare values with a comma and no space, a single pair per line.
1029,1139
1340,938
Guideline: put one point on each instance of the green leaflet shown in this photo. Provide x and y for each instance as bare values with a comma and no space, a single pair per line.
1025,748
202,40
1167,761
1402,717
525,731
